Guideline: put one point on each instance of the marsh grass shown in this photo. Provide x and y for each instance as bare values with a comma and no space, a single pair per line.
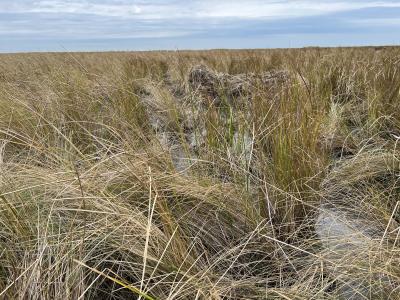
92,206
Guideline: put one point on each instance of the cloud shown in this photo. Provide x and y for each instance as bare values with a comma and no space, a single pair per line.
284,9
122,9
384,22
82,7
188,22
140,9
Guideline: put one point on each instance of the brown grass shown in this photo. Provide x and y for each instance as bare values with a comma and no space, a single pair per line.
121,180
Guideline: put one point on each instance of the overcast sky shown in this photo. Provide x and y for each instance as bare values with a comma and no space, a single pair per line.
86,25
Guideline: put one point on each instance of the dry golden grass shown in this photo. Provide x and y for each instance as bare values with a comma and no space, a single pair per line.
120,179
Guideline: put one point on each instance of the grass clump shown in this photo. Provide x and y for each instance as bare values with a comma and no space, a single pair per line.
200,175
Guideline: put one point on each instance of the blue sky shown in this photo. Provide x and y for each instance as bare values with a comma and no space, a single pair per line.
88,25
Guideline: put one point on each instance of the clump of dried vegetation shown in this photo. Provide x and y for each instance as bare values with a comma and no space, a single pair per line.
268,174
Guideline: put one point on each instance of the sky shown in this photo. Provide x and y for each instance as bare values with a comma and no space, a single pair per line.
112,25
